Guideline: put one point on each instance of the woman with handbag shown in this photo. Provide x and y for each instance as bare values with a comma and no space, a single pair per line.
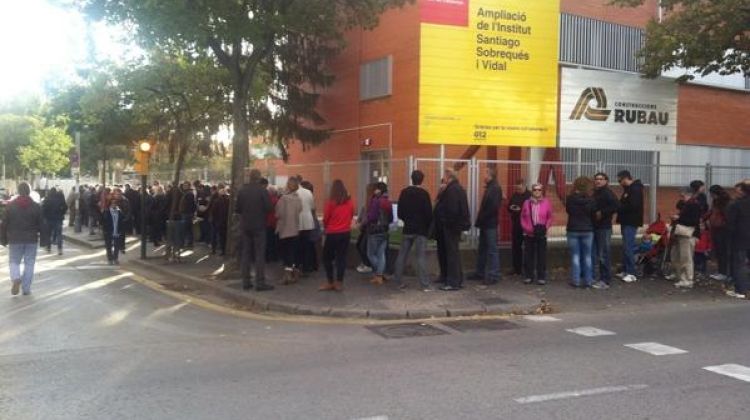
337,221
536,219
685,235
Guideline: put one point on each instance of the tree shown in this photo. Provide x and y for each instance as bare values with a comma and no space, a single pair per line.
15,132
707,36
48,152
279,47
183,99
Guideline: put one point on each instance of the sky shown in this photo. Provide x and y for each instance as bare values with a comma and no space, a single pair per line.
41,42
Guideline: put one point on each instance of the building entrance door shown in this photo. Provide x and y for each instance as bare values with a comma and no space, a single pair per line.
374,167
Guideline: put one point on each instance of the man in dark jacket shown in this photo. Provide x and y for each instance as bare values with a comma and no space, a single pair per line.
738,224
54,209
20,231
188,207
488,255
218,213
252,206
515,204
415,209
630,216
134,206
606,207
451,217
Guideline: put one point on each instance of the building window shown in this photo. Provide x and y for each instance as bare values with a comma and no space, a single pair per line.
595,43
375,78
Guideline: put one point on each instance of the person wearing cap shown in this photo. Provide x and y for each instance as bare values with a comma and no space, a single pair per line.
630,217
20,230
686,233
738,226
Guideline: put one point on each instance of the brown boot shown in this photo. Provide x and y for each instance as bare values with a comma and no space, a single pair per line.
325,287
338,286
377,280
288,277
16,287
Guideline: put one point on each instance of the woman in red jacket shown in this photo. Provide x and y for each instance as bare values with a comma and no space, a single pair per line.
337,221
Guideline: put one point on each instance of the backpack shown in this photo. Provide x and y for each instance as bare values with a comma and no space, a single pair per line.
385,218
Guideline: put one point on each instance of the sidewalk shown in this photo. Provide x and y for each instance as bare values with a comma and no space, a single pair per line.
201,271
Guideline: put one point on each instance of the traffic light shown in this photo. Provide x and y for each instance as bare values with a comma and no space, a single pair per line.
142,153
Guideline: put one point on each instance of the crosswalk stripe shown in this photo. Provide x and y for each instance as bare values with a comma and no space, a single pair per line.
732,370
656,349
577,394
590,331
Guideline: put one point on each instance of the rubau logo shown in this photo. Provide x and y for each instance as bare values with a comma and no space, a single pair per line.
625,112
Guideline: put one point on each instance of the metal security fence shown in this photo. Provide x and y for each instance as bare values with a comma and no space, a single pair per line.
661,182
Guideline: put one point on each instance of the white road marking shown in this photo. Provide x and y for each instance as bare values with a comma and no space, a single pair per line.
590,331
541,318
656,349
732,370
577,394
374,418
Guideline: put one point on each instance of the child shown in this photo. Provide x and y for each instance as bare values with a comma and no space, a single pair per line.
702,250
647,244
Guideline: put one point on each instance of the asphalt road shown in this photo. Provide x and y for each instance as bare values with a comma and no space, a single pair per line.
93,343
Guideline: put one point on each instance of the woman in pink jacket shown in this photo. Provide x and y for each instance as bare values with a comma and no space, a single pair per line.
536,219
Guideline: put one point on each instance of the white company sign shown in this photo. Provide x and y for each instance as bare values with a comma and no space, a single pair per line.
607,110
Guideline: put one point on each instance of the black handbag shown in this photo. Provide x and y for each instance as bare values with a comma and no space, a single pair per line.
540,231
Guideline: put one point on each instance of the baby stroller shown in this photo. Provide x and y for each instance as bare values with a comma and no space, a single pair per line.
653,260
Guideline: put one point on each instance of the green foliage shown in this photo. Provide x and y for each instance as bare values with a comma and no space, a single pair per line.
15,132
709,36
48,152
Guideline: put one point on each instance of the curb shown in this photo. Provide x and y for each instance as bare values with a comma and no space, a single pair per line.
259,303
82,242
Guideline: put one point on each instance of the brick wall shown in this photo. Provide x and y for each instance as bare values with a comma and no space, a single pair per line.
708,116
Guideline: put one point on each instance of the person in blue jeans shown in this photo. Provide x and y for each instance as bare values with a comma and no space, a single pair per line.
379,218
580,207
630,217
20,230
488,255
606,207
415,209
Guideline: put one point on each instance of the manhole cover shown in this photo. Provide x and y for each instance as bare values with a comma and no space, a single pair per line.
405,330
494,301
481,325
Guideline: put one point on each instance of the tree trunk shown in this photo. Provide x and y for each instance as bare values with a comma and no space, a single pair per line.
240,159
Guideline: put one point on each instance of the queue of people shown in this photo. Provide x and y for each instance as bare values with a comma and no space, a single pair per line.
283,224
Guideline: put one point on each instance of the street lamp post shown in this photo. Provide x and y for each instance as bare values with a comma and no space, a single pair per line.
144,148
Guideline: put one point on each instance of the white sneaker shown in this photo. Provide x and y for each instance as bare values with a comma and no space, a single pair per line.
670,277
732,293
363,269
684,284
629,278
718,277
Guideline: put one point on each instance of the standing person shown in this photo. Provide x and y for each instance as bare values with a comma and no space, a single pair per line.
515,204
306,248
54,209
288,211
22,223
488,255
415,209
94,212
218,214
580,232
630,217
699,192
451,218
134,208
157,215
202,201
272,242
686,233
188,206
606,207
113,227
252,206
379,219
717,226
337,222
738,226
536,219
83,207
72,203
365,266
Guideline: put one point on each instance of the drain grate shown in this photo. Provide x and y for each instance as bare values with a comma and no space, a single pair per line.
481,325
405,330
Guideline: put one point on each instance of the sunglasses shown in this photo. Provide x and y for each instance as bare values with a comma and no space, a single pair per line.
536,189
